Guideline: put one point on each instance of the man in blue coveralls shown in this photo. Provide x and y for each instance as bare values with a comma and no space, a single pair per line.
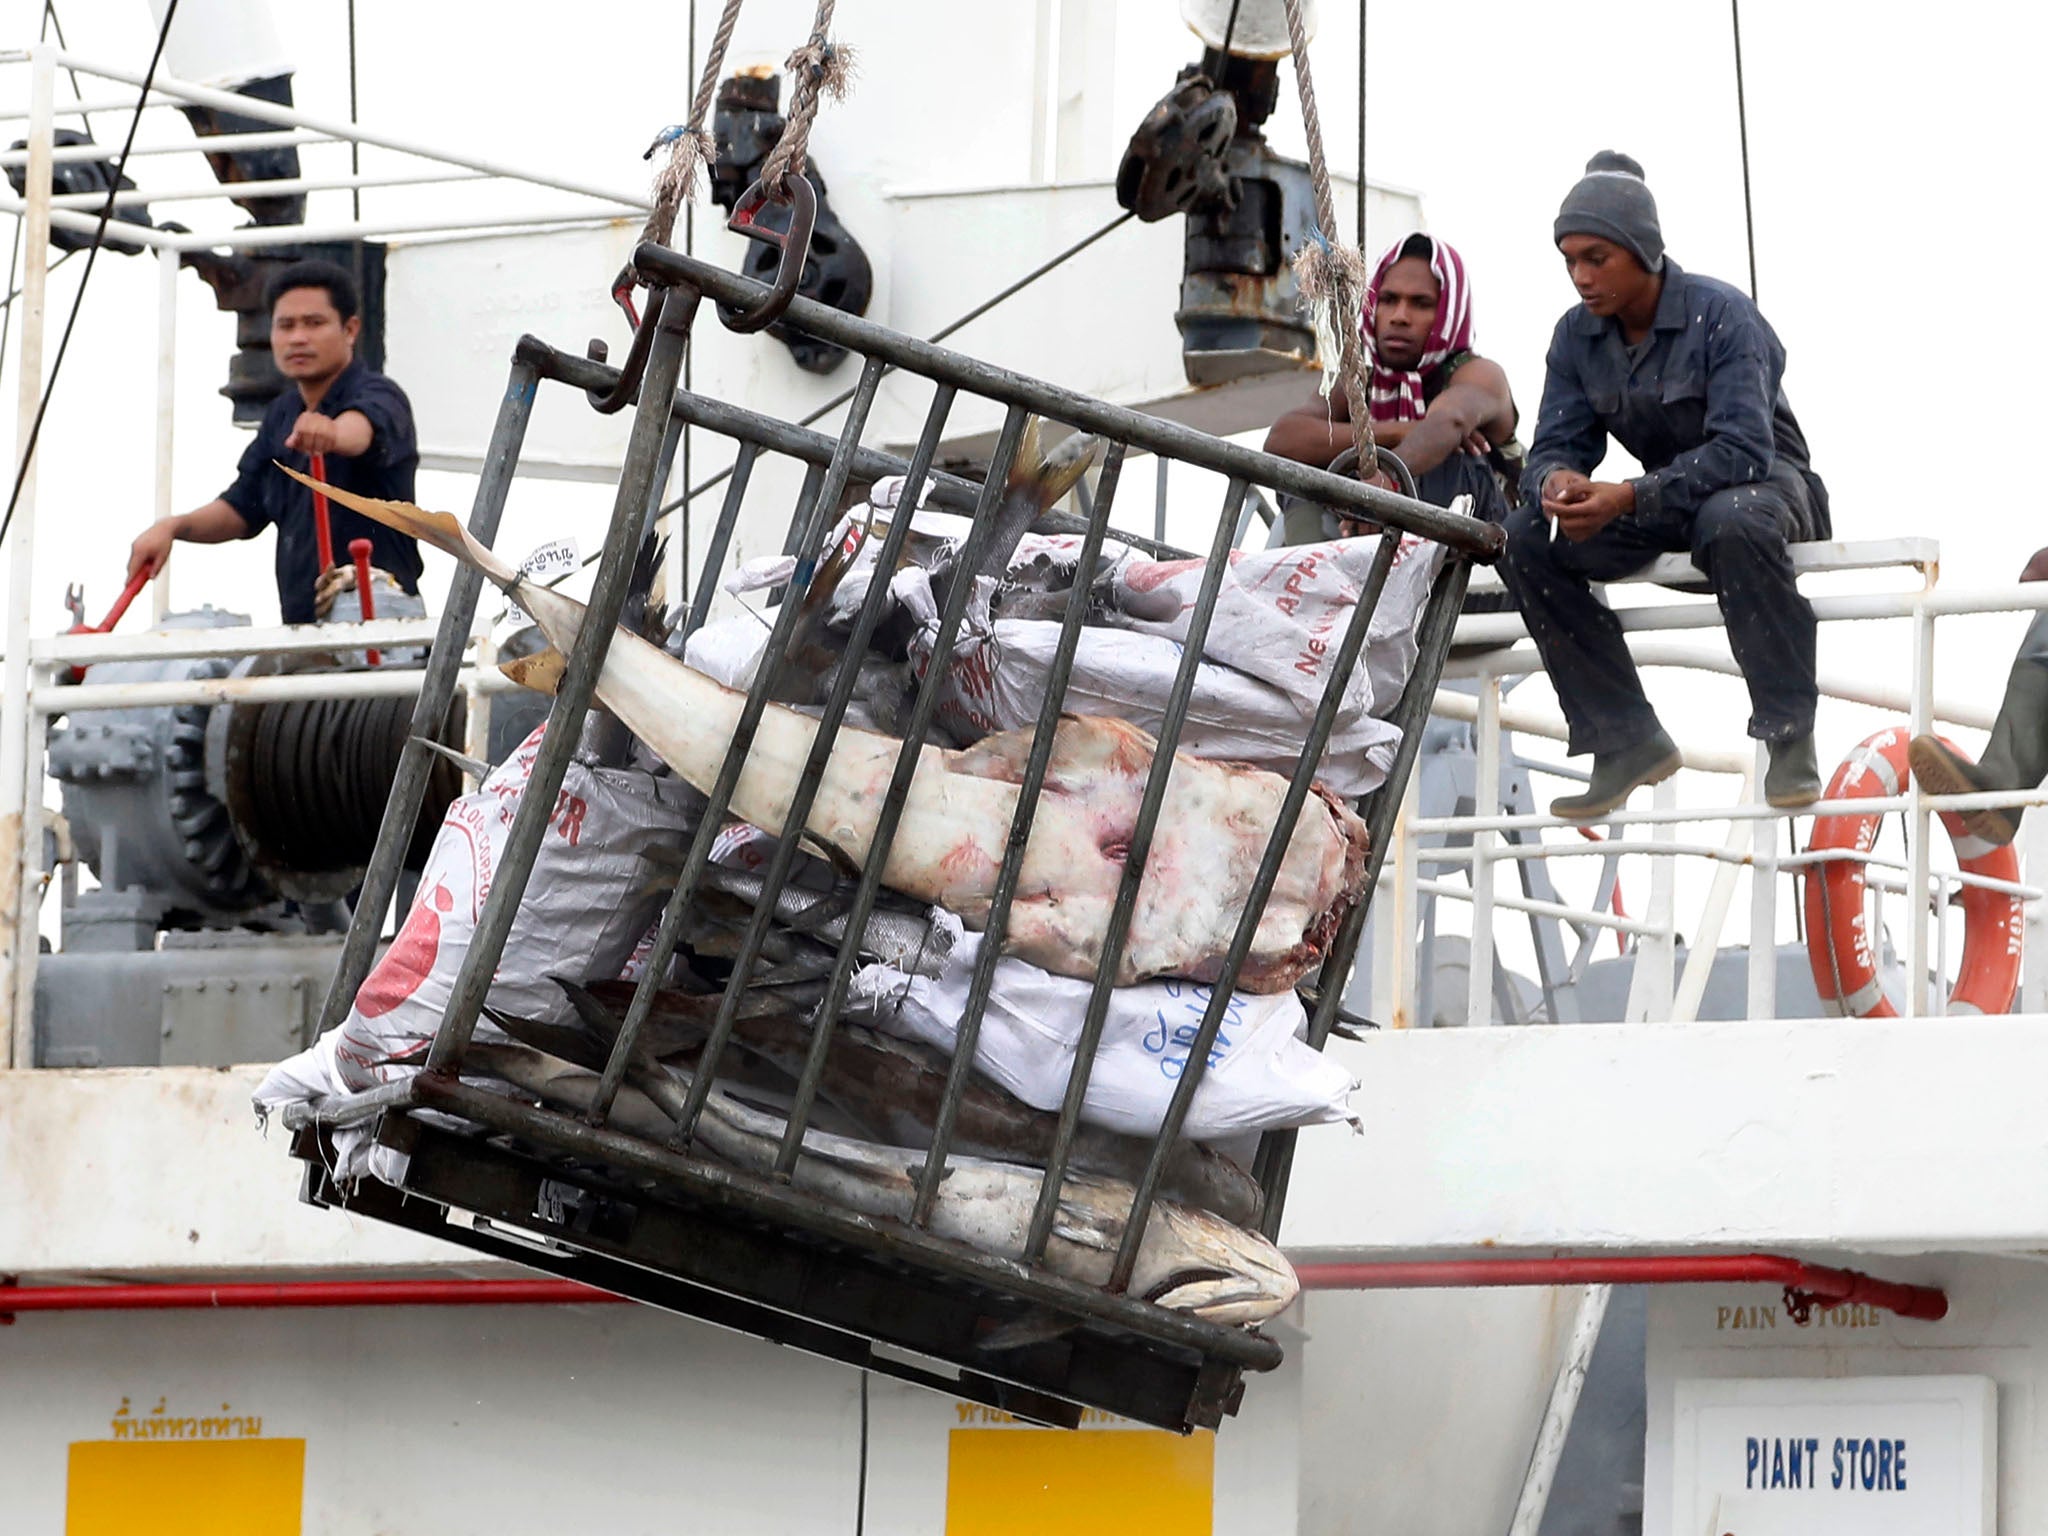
1686,375
336,406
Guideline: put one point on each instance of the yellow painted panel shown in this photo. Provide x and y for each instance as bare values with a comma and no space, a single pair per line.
185,1488
1087,1482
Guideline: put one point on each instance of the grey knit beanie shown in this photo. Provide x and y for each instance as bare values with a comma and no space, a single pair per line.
1614,202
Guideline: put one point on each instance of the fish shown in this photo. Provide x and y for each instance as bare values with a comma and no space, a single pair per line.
1188,1261
955,820
904,940
893,1088
813,653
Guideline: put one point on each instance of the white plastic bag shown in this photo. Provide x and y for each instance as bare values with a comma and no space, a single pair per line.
1261,1075
997,683
1281,613
591,896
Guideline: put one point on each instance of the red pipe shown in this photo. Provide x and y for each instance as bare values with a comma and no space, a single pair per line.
1806,1285
359,551
298,1293
323,532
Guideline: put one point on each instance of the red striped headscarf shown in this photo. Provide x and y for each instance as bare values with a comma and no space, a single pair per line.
1396,393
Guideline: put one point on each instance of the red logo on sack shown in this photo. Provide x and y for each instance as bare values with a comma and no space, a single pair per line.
410,958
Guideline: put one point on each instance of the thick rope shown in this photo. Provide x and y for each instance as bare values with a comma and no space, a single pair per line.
819,68
1331,275
691,148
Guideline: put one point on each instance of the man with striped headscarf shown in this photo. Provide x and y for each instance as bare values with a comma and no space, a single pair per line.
1441,407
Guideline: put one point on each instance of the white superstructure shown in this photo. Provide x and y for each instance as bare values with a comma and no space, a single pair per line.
1903,1148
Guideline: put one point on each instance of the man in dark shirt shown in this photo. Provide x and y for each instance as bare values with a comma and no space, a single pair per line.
1444,410
336,406
1685,374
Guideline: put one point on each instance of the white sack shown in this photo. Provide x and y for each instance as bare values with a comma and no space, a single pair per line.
997,683
1280,613
593,892
1261,1075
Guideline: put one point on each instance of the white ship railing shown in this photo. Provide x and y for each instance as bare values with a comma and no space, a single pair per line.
31,691
1657,990
31,667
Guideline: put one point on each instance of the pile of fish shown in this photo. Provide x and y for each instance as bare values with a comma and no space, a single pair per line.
880,1094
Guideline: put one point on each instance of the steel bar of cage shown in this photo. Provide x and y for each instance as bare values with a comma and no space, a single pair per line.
876,858
775,435
809,530
808,512
1274,1166
997,925
1116,423
1222,990
672,313
766,1199
914,732
801,519
953,493
1118,926
825,1017
721,537
437,691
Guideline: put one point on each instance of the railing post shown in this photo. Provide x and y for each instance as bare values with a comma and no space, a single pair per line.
1650,988
21,759
1486,802
1920,822
1393,913
166,411
2034,955
1763,908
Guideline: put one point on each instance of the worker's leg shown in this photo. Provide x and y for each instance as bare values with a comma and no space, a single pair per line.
1581,644
2016,757
1578,635
1740,539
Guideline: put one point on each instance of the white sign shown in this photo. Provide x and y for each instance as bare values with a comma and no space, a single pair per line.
553,561
1868,1456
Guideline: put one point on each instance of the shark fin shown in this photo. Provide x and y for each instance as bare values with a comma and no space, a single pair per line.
439,529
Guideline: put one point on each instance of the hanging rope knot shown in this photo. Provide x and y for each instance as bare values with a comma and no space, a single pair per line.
819,68
825,66
1332,281
691,146
691,150
1331,277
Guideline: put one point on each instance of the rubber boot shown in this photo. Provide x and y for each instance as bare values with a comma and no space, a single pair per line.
1617,775
1793,778
2015,758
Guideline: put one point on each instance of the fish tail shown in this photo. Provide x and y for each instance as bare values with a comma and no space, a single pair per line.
439,529
1046,477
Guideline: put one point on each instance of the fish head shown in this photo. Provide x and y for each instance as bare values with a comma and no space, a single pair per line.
1217,1272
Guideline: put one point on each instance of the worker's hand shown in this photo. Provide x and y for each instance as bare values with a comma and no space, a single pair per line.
1564,488
1583,510
153,548
333,581
1476,444
2037,568
313,433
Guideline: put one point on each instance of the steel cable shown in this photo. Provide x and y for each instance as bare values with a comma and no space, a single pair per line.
35,430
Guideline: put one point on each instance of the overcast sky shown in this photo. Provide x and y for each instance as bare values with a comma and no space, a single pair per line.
1895,240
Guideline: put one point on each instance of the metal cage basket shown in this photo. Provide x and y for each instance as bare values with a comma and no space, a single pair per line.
753,1249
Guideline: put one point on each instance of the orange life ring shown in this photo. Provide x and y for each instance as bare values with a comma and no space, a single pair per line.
1838,938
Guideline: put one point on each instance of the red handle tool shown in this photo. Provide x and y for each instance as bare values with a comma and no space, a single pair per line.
323,533
105,626
359,551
